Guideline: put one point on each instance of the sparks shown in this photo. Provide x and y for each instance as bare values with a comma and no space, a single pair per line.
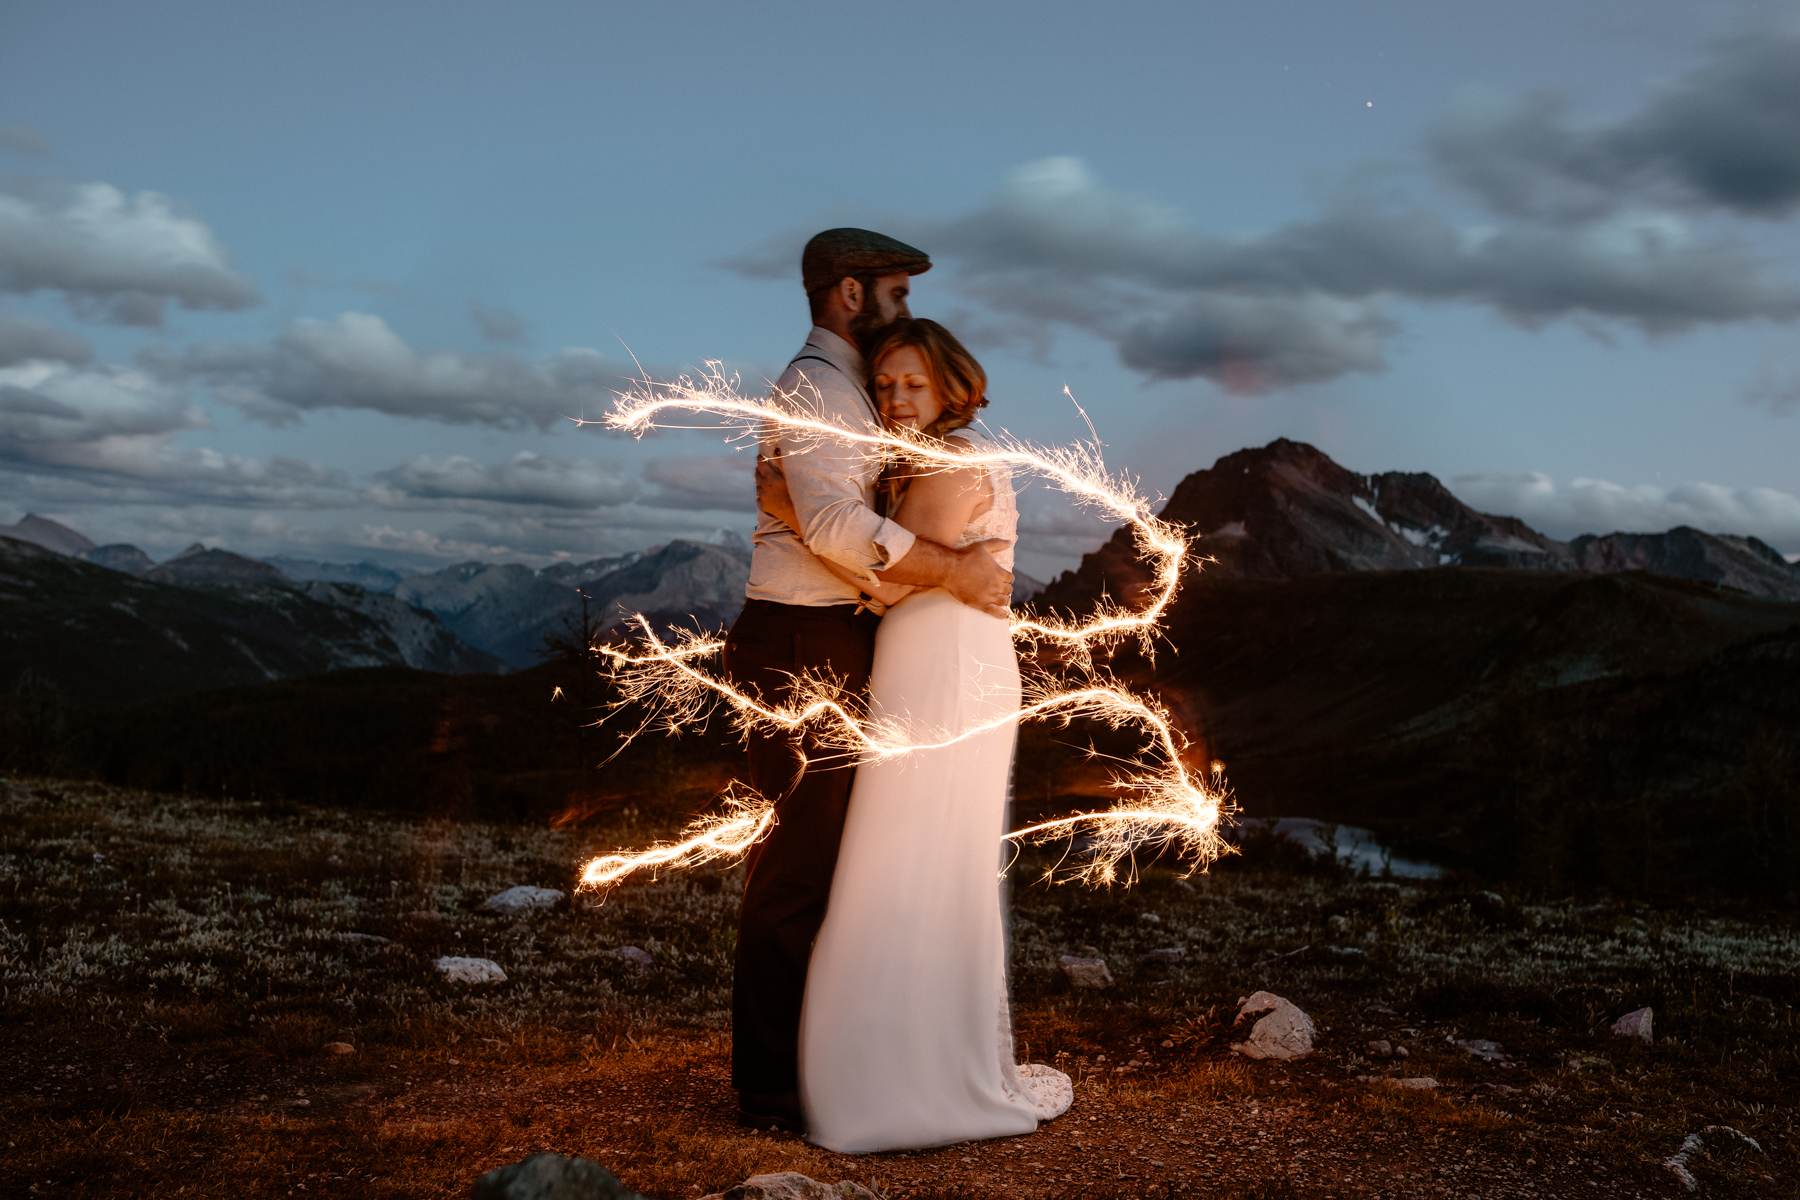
1163,804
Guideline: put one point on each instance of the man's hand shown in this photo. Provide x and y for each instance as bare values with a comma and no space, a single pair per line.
979,581
772,493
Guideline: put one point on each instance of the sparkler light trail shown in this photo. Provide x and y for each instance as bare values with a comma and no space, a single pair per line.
1167,805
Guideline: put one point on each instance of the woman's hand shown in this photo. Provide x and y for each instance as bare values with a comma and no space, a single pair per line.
772,493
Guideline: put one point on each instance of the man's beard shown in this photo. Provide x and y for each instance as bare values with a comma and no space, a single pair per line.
866,328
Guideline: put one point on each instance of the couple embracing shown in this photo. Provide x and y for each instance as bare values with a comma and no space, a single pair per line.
869,1004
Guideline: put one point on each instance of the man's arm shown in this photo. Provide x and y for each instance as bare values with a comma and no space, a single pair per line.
825,481
969,574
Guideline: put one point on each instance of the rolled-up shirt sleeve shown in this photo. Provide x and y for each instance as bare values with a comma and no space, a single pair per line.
827,481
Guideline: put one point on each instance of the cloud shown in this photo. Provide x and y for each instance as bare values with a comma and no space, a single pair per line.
1775,390
1056,248
718,482
1720,137
498,324
23,340
114,257
106,433
776,257
19,139
1600,506
1057,243
1253,344
525,479
56,404
355,361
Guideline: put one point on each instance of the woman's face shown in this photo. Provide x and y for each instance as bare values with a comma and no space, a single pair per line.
903,389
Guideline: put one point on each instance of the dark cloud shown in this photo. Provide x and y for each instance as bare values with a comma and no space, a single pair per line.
723,481
1726,135
1600,506
18,139
25,340
498,324
1057,244
114,257
1300,303
777,257
355,361
1253,344
528,479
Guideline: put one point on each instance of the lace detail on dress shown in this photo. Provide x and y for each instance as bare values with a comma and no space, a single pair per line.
1001,520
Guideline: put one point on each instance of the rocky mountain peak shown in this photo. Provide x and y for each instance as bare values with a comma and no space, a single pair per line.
1288,510
198,566
51,535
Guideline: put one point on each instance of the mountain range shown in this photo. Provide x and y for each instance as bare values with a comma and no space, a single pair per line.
1287,510
1284,511
1615,709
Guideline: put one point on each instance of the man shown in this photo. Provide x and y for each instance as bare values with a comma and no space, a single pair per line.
801,617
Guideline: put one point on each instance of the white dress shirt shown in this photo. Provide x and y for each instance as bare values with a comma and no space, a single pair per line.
832,485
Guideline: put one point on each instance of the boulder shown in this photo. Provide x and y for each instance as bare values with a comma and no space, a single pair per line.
635,955
791,1185
1281,1030
1084,973
335,1049
458,969
1638,1023
365,939
545,1176
1481,1048
523,898
1490,908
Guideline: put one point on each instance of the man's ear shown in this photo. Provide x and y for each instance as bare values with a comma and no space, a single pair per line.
850,291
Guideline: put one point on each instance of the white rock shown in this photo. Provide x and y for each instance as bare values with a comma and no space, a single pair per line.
366,939
1088,973
523,898
636,955
791,1185
1693,1143
1636,1024
458,969
1281,1031
1481,1048
1418,1083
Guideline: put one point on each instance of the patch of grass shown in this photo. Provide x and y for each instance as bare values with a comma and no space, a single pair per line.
172,967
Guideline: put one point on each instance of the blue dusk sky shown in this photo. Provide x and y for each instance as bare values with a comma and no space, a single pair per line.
327,280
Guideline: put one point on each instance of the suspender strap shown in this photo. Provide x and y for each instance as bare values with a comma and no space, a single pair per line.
860,390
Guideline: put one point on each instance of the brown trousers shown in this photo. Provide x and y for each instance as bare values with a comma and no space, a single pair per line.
790,870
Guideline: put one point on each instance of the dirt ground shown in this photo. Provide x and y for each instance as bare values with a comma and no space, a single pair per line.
175,972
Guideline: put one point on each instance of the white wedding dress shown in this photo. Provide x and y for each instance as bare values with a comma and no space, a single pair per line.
905,1034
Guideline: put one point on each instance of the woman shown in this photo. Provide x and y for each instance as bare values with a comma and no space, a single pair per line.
905,1036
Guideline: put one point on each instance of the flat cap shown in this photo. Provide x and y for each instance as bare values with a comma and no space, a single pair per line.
839,252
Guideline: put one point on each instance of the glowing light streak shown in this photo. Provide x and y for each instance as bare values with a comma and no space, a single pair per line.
1171,807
